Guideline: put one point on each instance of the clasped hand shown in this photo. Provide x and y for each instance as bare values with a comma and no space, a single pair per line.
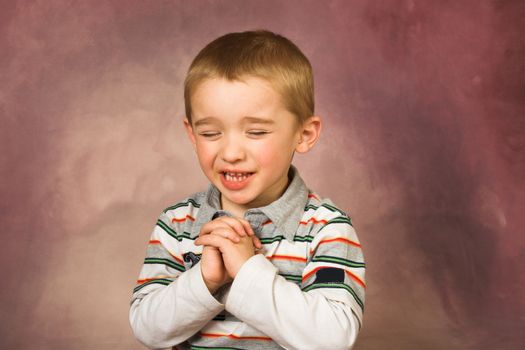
228,242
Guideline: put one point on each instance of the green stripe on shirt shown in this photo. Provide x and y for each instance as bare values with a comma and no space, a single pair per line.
166,262
340,220
324,205
183,204
172,233
295,278
336,260
162,281
200,347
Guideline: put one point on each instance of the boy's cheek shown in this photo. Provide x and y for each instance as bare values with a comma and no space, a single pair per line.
204,154
270,152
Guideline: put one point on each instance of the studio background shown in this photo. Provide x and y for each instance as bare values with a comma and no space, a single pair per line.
423,146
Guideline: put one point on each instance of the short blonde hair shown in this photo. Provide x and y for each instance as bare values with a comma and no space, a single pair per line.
258,53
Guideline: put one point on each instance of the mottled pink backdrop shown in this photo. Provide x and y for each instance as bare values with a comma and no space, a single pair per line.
423,145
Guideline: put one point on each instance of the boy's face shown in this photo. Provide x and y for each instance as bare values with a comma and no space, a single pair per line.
244,139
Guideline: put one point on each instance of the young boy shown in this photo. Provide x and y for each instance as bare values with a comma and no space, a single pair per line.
258,261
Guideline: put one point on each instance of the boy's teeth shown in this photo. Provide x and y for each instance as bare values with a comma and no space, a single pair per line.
236,176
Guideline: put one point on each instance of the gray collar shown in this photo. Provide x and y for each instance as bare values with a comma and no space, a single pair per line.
285,212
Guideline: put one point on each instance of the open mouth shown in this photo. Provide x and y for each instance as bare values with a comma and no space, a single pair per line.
236,176
235,181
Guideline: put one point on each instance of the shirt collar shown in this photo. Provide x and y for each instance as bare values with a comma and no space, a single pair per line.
285,212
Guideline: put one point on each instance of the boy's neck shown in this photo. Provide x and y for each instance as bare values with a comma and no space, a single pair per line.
236,211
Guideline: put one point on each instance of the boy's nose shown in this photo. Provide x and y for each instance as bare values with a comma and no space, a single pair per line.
232,150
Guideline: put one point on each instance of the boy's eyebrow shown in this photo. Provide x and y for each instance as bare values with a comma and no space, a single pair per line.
247,119
203,121
258,120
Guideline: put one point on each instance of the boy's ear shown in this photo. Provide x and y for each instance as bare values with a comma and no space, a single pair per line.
189,131
309,133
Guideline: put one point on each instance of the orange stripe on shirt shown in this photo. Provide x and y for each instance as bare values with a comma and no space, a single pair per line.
188,217
355,278
266,222
177,259
153,278
311,195
233,336
314,220
307,276
286,257
338,239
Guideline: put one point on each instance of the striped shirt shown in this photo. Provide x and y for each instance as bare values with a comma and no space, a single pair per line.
306,290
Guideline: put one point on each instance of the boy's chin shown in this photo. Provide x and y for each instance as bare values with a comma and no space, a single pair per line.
244,200
236,200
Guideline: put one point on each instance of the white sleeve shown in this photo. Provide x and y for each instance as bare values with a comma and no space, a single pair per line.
169,305
319,314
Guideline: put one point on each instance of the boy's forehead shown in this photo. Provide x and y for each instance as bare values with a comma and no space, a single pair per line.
213,82
253,99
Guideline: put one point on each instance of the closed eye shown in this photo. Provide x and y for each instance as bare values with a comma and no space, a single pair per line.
209,134
257,132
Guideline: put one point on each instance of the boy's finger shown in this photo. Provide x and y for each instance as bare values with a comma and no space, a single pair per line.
209,227
256,242
227,233
240,226
212,240
247,227
235,224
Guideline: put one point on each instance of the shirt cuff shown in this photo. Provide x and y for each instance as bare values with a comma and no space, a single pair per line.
200,291
252,271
